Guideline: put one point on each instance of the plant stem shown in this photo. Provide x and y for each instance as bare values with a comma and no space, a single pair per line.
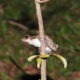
42,37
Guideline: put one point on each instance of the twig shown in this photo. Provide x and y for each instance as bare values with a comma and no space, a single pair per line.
18,24
16,64
41,33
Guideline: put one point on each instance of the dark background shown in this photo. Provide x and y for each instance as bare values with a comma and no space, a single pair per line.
61,22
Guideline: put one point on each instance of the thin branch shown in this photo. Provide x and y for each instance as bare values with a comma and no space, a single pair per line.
42,37
16,64
18,24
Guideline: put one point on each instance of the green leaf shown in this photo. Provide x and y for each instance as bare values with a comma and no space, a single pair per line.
32,57
62,59
39,61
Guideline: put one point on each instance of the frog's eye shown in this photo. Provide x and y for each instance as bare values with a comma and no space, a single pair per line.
26,36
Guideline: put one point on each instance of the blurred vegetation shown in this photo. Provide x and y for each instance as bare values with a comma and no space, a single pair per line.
62,23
